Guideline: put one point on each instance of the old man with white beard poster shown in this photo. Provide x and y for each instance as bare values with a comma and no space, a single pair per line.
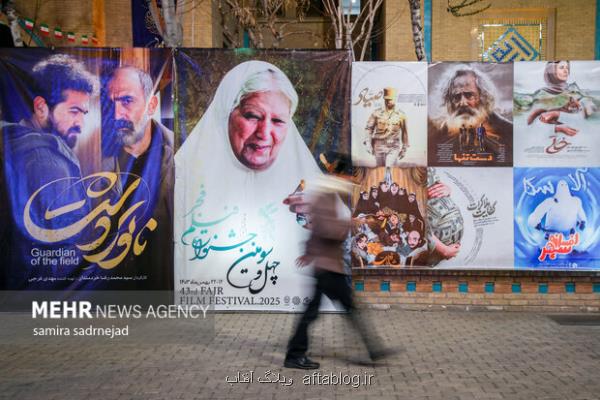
470,114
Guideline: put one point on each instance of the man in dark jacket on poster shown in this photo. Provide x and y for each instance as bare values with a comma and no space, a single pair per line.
42,173
140,150
329,224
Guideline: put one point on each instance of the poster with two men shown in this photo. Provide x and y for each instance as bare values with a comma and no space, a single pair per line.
90,142
87,173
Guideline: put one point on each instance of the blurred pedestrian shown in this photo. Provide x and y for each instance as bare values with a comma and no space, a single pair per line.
329,225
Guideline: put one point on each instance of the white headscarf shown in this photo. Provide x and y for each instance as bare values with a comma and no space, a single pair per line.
210,182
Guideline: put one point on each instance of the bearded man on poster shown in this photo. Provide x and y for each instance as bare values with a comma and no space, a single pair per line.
140,149
469,100
43,191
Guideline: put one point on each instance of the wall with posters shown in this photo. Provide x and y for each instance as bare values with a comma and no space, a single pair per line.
467,217
118,176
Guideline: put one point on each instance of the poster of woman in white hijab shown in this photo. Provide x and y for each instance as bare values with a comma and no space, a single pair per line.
470,214
556,113
255,129
557,218
389,114
470,114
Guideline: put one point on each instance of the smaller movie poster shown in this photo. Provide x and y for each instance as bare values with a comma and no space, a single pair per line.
470,114
556,218
389,219
470,213
556,113
389,114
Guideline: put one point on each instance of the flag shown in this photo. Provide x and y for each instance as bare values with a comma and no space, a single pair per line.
58,33
84,39
95,40
71,37
45,30
29,24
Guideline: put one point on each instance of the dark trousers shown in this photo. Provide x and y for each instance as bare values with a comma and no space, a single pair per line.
336,287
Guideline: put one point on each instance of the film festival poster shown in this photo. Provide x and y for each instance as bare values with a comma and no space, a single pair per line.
389,219
556,113
87,171
389,114
257,126
556,218
470,114
470,213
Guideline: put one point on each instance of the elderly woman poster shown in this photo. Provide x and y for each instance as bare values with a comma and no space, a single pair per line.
235,241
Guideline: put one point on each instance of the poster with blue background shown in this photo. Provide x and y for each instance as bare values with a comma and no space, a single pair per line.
86,169
556,218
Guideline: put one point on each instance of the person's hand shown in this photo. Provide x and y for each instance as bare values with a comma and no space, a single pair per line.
367,144
437,190
567,130
450,251
303,261
297,203
550,117
447,251
402,152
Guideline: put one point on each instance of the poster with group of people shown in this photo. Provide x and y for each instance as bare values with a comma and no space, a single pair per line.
489,137
152,169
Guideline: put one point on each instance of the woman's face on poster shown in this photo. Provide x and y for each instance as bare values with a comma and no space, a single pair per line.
258,127
362,242
562,71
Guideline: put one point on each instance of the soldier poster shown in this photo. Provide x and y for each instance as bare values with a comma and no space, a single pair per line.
389,113
556,113
257,127
470,219
556,218
389,218
470,114
87,169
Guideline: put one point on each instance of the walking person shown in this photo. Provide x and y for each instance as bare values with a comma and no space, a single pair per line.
471,138
462,137
329,226
481,137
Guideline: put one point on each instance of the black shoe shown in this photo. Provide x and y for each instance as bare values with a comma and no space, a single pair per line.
383,353
301,363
